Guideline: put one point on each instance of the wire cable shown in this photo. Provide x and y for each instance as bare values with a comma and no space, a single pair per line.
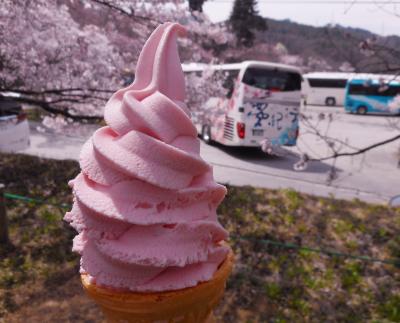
35,200
265,242
328,252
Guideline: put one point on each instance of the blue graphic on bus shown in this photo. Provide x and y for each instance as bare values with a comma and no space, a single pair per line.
288,137
260,113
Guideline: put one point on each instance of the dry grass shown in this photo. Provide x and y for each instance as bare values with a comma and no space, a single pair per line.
39,279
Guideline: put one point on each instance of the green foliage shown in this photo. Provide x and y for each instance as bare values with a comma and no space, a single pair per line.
394,247
351,275
41,243
196,5
342,226
301,285
34,114
391,308
294,199
273,291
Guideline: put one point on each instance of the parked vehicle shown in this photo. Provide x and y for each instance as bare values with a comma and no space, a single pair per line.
325,88
372,95
261,102
395,201
14,127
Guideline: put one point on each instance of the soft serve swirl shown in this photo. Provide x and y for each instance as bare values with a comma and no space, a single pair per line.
145,202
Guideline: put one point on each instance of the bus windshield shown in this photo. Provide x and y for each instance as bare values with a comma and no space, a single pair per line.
272,79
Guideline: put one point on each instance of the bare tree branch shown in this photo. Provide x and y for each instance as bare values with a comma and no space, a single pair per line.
359,151
392,13
378,60
55,91
51,108
130,13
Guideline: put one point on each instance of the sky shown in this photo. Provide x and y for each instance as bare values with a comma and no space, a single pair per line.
373,15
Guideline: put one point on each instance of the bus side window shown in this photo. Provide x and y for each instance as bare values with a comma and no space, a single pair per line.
229,82
373,90
392,90
293,82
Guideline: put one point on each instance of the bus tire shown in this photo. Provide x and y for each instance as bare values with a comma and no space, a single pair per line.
330,102
362,110
206,134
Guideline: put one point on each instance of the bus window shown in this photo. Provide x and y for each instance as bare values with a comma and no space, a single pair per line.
392,91
357,89
331,83
272,79
229,82
373,90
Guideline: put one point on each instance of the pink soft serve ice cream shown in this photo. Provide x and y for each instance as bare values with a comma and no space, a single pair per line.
145,202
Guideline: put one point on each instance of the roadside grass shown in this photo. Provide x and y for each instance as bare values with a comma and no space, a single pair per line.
34,113
271,283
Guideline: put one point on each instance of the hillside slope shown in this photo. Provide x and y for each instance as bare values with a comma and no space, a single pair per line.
321,48
311,48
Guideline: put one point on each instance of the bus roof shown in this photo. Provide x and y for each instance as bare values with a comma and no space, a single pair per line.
197,67
350,76
377,77
391,81
328,75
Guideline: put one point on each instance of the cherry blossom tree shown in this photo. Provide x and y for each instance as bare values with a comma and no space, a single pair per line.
51,61
68,56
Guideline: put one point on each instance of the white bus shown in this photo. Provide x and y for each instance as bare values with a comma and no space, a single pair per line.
260,101
325,88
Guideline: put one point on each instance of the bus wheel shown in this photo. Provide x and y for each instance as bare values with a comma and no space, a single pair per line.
362,110
330,102
206,134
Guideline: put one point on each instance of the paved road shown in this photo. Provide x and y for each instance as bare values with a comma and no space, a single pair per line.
373,176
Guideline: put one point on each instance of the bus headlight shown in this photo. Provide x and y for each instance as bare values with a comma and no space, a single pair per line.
240,127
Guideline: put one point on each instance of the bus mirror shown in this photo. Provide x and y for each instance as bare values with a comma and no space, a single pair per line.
395,201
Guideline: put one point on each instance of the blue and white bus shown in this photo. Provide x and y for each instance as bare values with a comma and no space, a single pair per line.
365,95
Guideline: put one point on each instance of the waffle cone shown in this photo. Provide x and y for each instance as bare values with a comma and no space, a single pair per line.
188,305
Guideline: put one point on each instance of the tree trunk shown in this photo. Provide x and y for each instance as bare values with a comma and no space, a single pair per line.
3,218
